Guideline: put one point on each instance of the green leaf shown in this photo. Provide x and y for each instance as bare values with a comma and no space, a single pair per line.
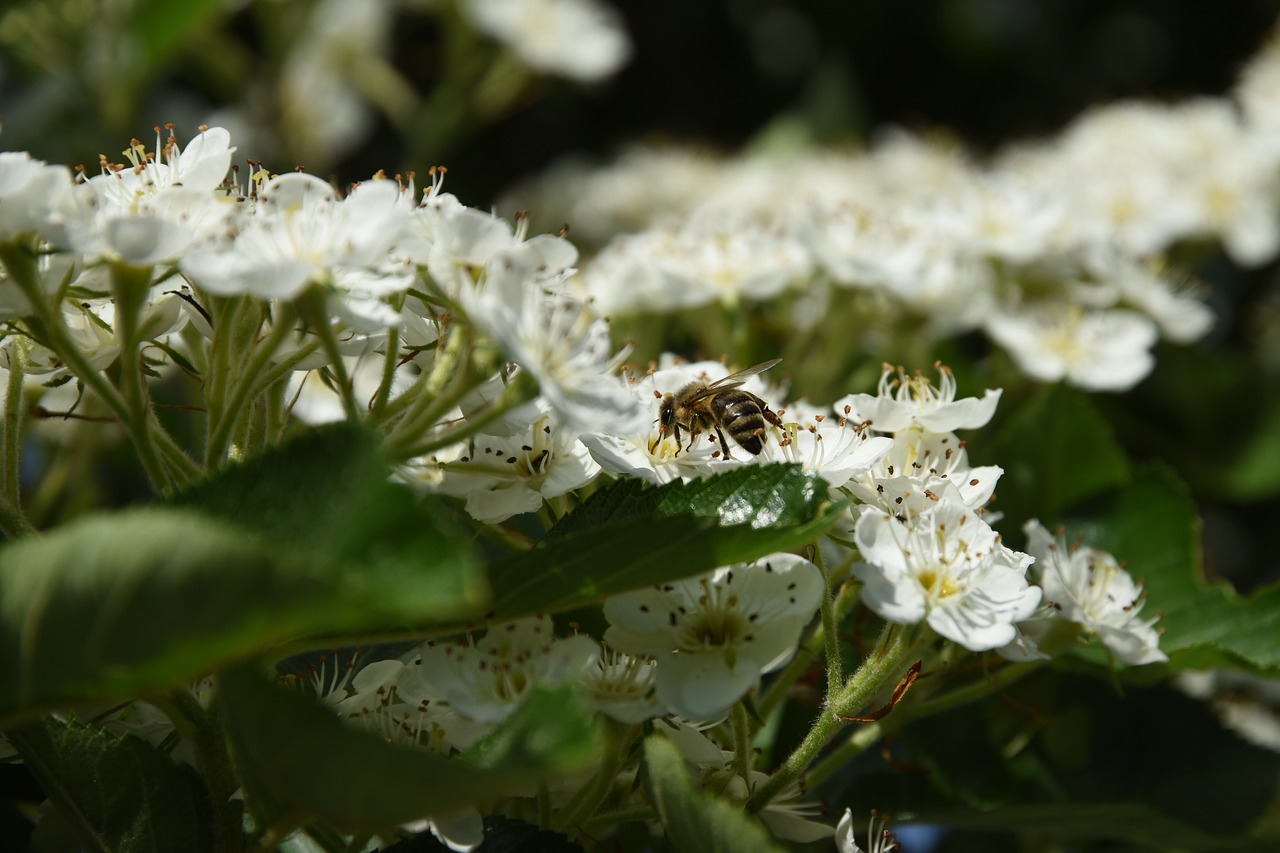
632,534
325,499
1056,451
1152,526
116,792
755,495
115,605
551,731
696,819
296,756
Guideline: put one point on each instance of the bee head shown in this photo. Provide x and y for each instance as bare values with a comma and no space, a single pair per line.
666,412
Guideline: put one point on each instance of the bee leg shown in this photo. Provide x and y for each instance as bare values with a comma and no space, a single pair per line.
771,416
675,429
724,445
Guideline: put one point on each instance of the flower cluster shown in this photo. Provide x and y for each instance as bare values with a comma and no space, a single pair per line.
1057,250
468,347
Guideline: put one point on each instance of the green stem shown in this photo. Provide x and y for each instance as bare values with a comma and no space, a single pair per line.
830,632
588,798
225,313
182,467
12,520
203,727
742,754
868,734
313,308
48,324
511,399
846,598
390,361
428,405
129,286
247,384
284,367
877,673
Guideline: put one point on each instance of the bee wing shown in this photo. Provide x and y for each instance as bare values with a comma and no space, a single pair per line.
733,380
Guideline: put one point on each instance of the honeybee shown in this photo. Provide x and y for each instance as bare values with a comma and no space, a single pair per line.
721,405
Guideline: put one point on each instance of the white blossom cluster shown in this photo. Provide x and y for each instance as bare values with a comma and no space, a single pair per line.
457,336
1057,250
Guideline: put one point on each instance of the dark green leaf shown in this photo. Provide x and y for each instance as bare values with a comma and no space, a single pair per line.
755,495
552,730
307,541
298,756
695,819
325,499
632,535
1056,451
117,792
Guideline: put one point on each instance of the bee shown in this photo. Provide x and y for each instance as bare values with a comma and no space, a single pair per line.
721,405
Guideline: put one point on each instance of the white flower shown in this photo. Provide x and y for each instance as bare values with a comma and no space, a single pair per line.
1093,350
832,448
714,635
1181,316
905,400
202,166
788,816
29,192
879,839
946,566
558,339
450,239
635,446
621,686
502,476
921,462
486,681
580,39
724,260
301,232
1088,587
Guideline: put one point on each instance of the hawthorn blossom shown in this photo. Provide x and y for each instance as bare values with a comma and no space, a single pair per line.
486,680
502,476
621,686
922,462
635,447
558,339
1087,586
713,636
29,191
833,448
903,400
579,39
1105,350
879,839
947,567
301,232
